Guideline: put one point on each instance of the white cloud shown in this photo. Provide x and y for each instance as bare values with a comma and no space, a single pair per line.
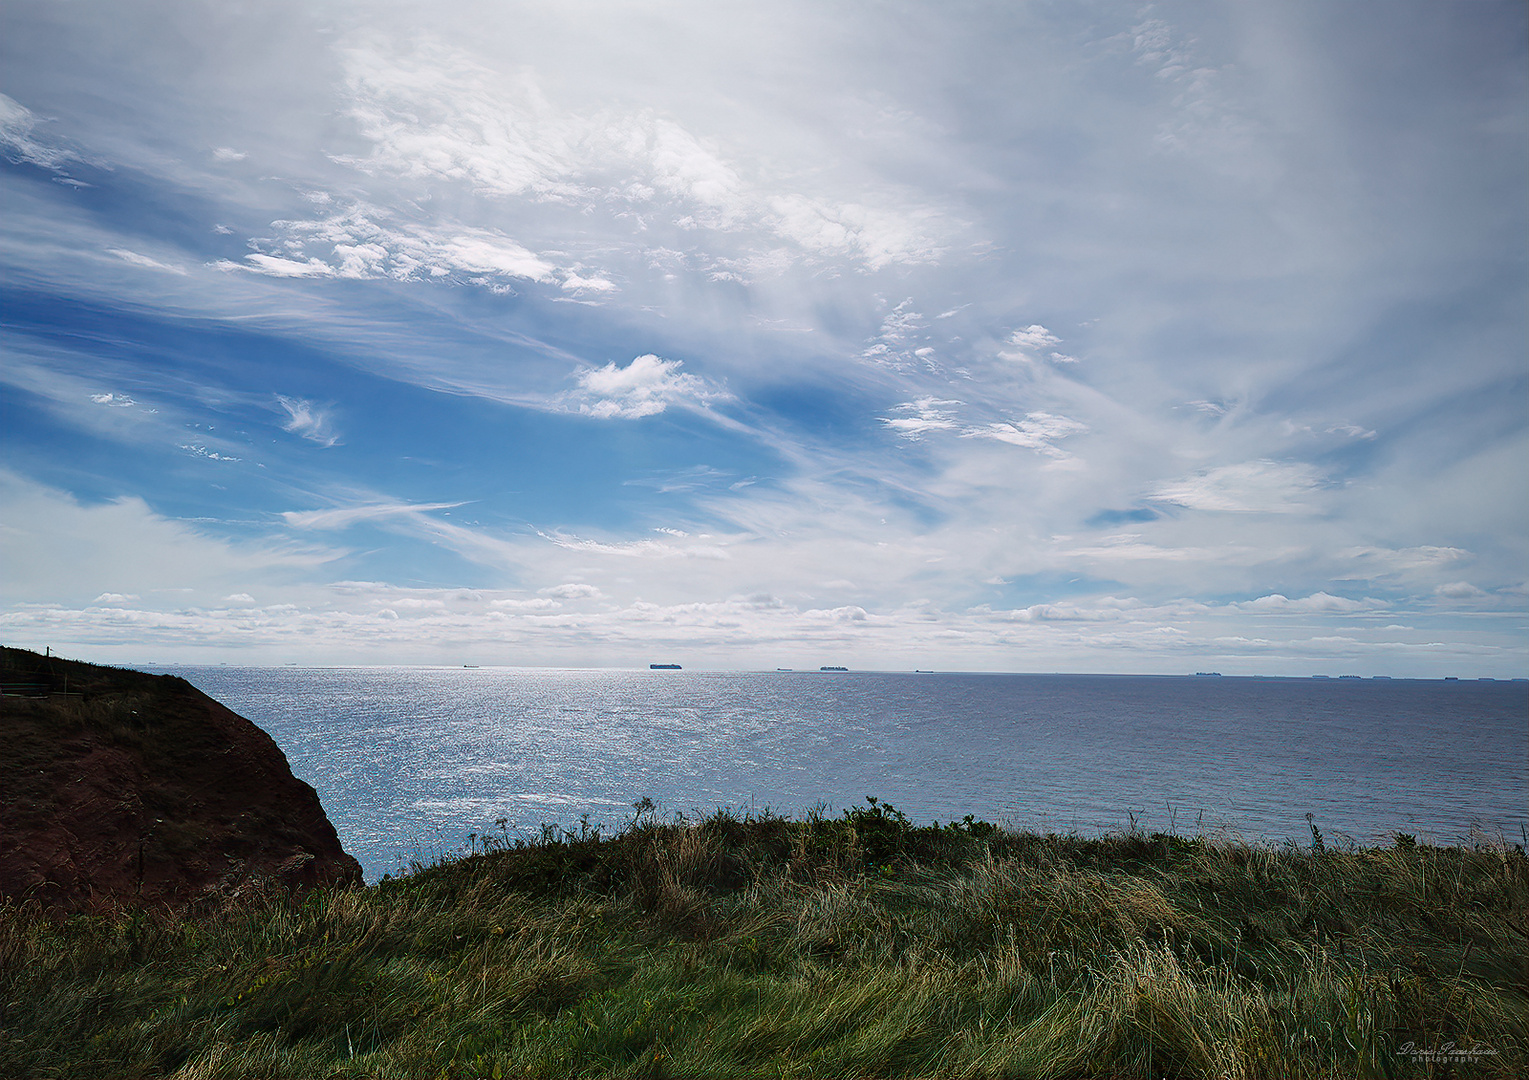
144,261
116,401
896,343
304,419
573,591
56,550
645,387
1034,342
362,243
929,414
1204,116
573,281
1117,552
485,253
1319,603
1058,613
276,266
198,450
1375,560
239,598
345,516
698,548
1037,431
849,613
1267,487
415,603
115,598
225,153
434,113
1034,338
877,237
17,125
1460,590
536,603
694,478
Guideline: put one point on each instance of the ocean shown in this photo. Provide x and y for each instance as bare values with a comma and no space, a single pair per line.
408,760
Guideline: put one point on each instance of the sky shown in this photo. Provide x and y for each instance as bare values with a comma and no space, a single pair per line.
1087,337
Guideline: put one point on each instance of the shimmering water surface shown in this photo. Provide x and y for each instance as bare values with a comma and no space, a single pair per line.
407,761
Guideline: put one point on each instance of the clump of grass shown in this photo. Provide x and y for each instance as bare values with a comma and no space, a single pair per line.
851,945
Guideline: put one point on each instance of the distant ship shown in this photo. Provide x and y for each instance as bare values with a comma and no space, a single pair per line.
833,669
664,667
1216,674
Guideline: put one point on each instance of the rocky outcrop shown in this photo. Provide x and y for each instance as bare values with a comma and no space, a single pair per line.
122,789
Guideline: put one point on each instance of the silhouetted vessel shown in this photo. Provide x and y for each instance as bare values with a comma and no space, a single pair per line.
664,667
833,669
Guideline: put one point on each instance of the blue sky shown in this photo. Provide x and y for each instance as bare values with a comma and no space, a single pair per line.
1029,337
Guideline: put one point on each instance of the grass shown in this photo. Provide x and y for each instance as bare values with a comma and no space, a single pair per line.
858,945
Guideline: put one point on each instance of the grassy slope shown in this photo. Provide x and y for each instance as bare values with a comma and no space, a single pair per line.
851,946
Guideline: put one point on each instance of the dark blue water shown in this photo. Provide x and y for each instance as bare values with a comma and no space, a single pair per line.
407,761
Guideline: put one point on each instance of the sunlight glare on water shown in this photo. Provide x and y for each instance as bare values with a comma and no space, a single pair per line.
408,760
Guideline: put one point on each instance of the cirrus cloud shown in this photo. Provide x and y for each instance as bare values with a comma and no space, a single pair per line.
18,126
307,420
432,113
1261,487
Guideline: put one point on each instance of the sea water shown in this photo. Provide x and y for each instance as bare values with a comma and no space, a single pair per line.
408,761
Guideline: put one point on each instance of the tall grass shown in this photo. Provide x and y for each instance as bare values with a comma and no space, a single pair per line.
858,945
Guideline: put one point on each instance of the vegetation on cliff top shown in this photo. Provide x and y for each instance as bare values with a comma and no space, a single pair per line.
860,945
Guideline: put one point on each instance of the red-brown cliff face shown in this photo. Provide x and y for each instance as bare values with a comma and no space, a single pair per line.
122,789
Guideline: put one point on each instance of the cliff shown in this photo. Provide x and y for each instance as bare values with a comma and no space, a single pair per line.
122,789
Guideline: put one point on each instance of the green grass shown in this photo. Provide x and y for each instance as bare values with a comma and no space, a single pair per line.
852,946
